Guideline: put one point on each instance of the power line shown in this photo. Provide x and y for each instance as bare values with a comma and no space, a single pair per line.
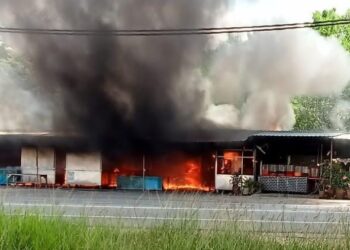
336,21
171,32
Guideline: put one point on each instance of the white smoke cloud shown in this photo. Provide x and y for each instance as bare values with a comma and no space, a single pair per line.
340,114
20,108
259,76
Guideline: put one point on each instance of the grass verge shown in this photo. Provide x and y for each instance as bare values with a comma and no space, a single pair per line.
38,232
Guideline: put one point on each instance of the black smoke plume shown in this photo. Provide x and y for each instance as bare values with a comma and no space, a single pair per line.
117,90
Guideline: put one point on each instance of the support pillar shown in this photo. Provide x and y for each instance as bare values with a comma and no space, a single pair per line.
143,171
215,168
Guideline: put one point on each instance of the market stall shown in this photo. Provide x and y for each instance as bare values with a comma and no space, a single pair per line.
288,178
292,161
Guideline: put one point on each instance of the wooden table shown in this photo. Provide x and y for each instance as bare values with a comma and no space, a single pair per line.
39,176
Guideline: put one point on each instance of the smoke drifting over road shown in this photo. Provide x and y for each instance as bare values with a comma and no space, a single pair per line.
120,89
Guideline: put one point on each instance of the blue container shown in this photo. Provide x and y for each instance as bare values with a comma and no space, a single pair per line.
130,182
136,183
153,183
3,177
7,170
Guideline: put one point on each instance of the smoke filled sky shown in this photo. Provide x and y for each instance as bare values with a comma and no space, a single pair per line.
126,88
291,10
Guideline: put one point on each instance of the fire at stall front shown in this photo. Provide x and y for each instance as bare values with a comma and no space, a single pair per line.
175,170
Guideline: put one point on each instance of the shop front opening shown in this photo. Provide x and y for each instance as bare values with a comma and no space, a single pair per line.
231,162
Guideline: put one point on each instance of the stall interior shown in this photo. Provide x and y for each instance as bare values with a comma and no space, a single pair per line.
294,166
233,162
10,161
174,170
10,156
295,162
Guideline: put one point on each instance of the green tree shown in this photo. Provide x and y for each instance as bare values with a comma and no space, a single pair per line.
341,32
313,113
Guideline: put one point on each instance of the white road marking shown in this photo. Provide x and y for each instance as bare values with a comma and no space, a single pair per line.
243,209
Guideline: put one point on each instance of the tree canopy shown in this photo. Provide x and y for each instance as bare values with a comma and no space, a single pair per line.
341,32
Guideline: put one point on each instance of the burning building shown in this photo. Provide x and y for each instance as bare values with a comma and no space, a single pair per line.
143,105
189,164
201,164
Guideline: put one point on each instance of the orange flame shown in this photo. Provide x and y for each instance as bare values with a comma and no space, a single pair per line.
190,180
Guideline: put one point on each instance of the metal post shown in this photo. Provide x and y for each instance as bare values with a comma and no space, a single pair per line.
242,171
143,171
215,168
321,161
242,161
254,165
331,163
37,165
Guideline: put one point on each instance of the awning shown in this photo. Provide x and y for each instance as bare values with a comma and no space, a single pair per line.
296,134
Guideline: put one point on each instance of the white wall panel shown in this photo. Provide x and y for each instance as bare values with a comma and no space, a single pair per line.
46,158
28,157
222,181
83,177
46,163
84,161
29,175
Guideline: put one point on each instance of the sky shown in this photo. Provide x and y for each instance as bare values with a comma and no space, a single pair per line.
245,12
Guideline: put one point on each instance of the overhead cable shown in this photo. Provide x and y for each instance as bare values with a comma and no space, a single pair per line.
173,32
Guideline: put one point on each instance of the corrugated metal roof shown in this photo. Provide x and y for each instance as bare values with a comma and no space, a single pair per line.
345,136
216,135
298,134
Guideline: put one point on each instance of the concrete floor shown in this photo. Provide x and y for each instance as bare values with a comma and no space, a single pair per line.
263,212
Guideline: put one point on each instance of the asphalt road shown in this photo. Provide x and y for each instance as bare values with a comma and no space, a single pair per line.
263,212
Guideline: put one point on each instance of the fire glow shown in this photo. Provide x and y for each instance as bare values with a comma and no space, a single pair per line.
178,171
231,163
190,179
